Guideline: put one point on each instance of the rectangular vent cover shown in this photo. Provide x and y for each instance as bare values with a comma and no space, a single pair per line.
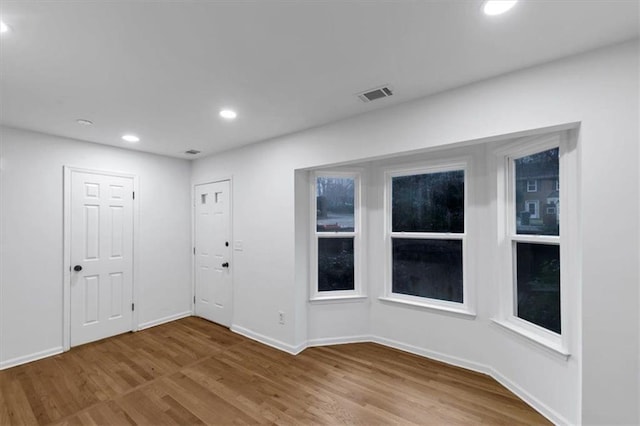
373,94
192,152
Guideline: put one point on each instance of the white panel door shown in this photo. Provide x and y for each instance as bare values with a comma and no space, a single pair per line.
214,294
101,256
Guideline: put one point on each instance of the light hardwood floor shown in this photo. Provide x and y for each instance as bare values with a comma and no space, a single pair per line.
194,372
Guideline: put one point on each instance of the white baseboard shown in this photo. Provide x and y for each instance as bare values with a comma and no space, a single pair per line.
163,320
328,341
30,358
534,402
293,350
447,359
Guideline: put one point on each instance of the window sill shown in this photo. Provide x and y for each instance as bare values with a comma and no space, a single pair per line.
553,347
431,306
338,299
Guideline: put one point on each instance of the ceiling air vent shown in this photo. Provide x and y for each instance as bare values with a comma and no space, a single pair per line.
192,152
373,94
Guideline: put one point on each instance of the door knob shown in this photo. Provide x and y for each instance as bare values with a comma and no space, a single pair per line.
225,265
77,268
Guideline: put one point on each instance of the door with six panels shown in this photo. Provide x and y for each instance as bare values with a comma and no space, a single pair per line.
101,228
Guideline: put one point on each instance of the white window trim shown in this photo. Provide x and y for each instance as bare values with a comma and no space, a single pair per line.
357,234
505,317
467,307
534,186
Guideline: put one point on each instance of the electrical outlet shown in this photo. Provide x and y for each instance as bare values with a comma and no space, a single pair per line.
281,317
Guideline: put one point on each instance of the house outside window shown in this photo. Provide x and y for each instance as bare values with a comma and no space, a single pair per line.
533,213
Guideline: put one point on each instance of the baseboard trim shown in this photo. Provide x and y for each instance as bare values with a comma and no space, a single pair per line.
164,320
274,343
328,341
534,402
30,358
437,356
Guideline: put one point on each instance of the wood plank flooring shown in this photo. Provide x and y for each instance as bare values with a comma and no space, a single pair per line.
193,372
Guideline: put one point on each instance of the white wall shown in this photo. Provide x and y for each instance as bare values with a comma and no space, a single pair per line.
31,236
599,90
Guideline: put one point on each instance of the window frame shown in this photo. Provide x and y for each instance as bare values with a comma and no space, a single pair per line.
532,187
467,307
508,238
358,291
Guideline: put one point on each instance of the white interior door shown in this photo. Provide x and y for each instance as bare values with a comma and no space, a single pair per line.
214,294
101,227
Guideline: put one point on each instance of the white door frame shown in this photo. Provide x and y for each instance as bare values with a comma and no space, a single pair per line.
66,264
193,242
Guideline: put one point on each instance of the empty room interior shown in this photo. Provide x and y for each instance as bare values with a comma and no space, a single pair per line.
320,212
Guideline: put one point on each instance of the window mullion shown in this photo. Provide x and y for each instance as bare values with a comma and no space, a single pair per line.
535,239
428,235
336,234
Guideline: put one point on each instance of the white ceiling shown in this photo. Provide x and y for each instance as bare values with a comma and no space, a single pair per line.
163,69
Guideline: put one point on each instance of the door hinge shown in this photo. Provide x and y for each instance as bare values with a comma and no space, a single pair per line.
194,300
194,250
134,195
133,306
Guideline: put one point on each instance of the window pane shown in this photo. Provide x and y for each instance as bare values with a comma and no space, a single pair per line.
432,202
538,284
428,268
335,264
335,204
538,193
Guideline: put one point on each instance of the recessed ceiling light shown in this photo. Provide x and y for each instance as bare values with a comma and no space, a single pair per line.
228,114
497,7
4,28
131,138
84,122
